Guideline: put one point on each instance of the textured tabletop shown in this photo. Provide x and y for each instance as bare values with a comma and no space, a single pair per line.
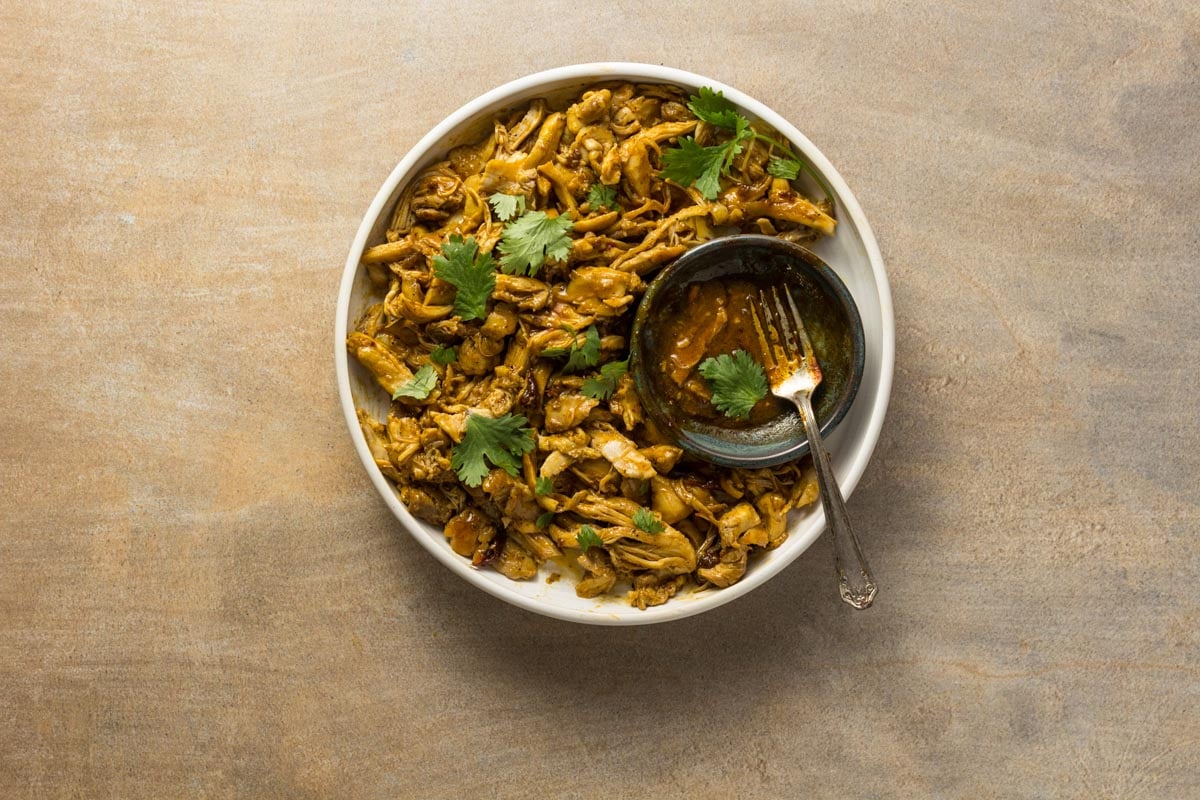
201,594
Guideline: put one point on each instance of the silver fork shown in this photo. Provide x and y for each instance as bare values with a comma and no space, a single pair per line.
794,374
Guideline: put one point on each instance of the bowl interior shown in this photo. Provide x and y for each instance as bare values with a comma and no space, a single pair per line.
827,309
852,253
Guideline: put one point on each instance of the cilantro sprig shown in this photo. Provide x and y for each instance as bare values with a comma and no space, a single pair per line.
693,165
702,167
602,387
543,486
419,385
737,382
501,441
470,272
531,240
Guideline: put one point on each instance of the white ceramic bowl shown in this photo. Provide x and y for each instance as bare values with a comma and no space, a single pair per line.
852,252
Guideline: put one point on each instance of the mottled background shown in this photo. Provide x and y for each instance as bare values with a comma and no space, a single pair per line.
201,594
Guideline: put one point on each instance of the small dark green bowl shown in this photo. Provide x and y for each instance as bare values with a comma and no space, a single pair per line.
831,320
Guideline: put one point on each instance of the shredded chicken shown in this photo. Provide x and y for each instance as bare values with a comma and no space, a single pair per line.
605,467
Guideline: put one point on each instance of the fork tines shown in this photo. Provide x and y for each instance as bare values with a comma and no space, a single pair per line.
781,334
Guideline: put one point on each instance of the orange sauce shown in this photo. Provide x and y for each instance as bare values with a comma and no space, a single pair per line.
703,321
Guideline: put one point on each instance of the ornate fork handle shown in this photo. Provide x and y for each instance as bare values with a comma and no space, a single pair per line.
794,373
856,584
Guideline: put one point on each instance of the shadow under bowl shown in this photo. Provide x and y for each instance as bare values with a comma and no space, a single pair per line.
830,318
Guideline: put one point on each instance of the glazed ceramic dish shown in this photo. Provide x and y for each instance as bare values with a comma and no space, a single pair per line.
765,261
852,253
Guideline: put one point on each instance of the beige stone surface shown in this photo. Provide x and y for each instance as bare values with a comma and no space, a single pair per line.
202,596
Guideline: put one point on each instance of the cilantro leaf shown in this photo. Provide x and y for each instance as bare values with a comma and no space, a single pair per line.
579,355
691,164
543,486
419,385
646,521
526,243
790,168
587,537
601,196
785,168
737,381
472,273
544,519
602,388
443,355
502,441
713,108
586,354
507,205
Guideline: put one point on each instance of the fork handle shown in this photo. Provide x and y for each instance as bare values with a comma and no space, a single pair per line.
856,585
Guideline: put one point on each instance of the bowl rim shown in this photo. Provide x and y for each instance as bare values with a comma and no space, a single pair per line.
823,273
583,73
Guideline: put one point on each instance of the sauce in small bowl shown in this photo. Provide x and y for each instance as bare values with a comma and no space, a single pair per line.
699,307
